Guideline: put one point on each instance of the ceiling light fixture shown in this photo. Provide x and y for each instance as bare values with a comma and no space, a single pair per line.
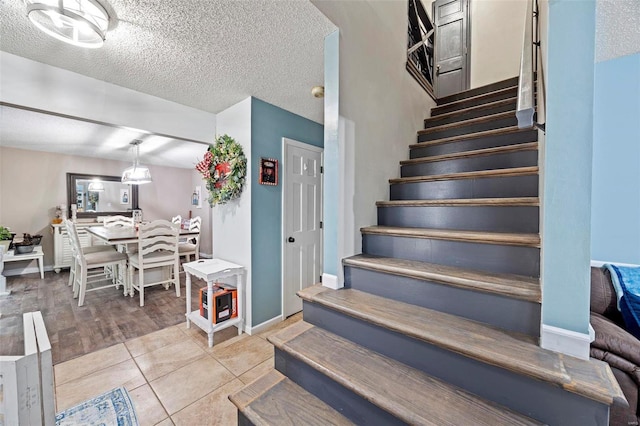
136,174
95,186
79,22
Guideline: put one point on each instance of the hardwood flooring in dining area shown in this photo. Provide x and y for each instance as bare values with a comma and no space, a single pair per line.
107,317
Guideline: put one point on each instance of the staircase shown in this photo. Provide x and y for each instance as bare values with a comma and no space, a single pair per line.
439,319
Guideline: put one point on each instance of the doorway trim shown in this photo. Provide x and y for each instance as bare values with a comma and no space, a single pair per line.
285,168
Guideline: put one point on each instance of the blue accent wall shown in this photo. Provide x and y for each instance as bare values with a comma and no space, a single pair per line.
615,210
269,124
567,164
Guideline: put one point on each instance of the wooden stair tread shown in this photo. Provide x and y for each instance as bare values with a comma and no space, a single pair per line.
481,96
468,122
464,202
409,394
589,378
529,146
514,171
509,285
481,107
477,135
506,238
275,400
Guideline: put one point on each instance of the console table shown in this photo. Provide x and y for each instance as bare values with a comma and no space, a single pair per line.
212,270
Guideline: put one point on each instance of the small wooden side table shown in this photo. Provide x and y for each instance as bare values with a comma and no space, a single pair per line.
212,270
36,254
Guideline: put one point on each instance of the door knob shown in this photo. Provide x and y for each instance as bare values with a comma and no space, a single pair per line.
292,240
437,69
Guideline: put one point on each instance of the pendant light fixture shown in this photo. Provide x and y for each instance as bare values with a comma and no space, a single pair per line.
136,174
95,186
82,23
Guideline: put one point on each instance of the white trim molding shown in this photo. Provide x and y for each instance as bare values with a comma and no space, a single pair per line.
331,281
565,341
262,326
600,263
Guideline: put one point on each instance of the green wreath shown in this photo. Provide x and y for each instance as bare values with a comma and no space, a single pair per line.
224,169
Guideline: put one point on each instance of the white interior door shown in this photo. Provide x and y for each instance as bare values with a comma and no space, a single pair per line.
302,221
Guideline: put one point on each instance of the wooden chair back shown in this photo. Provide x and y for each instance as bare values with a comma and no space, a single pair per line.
117,220
157,242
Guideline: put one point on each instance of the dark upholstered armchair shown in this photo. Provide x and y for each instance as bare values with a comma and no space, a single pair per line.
615,346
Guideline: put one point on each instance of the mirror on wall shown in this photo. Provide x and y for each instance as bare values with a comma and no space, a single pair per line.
100,195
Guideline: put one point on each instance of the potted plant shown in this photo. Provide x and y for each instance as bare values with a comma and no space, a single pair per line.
6,237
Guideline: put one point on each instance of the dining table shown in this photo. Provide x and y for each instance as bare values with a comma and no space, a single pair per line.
115,235
123,237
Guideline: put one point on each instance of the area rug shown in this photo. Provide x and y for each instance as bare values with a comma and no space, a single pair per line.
113,408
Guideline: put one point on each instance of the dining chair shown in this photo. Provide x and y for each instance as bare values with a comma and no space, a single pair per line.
85,262
157,248
122,221
117,220
70,228
177,220
192,245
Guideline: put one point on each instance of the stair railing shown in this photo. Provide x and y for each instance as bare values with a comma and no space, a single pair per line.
525,110
420,46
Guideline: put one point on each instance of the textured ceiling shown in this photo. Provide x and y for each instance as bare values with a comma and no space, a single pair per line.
42,132
617,28
205,54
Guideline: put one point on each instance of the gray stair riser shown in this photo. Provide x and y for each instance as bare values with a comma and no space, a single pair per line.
466,115
534,398
243,420
468,103
473,144
485,257
521,219
505,160
490,187
498,85
497,123
507,313
347,403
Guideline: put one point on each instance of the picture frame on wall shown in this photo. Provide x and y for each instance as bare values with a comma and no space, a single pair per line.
124,196
268,171
196,197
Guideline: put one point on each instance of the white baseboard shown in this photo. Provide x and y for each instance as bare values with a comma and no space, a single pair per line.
565,341
600,263
331,281
21,271
263,326
206,255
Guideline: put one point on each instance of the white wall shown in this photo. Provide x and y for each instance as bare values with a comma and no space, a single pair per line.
37,85
231,222
497,28
381,108
204,212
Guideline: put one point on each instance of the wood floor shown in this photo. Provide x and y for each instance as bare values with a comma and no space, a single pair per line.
107,317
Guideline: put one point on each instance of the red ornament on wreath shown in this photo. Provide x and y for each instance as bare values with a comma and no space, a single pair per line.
222,170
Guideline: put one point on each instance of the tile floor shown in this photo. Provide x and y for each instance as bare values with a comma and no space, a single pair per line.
173,377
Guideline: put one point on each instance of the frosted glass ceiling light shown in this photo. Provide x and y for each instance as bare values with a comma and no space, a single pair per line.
95,186
79,22
136,174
